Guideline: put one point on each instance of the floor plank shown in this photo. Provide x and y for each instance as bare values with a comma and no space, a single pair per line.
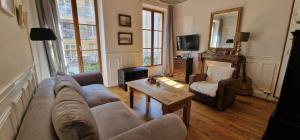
246,119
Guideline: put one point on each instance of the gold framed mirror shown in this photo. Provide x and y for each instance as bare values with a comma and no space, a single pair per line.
223,27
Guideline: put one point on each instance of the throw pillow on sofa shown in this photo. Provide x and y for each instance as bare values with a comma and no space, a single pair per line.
62,81
72,118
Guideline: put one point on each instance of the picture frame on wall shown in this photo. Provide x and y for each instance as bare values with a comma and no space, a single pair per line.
20,15
124,20
125,38
8,6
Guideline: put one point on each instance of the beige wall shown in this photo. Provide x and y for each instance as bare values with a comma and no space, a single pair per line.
286,55
116,56
15,54
267,20
111,9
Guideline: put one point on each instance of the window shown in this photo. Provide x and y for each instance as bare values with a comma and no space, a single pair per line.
152,37
80,37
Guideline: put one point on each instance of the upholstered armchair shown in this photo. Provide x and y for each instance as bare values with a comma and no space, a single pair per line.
216,88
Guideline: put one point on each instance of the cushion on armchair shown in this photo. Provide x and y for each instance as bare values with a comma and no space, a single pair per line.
207,88
214,75
217,73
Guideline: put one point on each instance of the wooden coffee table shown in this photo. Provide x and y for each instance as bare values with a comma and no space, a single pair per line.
170,94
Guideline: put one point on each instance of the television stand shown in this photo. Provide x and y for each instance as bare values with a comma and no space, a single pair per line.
183,68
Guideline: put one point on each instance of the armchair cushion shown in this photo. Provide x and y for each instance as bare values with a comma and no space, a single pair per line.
204,87
218,73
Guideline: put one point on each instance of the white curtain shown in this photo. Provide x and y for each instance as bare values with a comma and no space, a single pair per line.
169,50
48,18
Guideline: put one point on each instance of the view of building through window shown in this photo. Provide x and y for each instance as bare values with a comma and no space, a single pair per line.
152,37
82,55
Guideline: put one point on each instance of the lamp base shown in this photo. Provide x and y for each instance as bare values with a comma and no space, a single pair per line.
239,48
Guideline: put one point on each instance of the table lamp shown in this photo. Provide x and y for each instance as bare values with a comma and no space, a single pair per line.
241,37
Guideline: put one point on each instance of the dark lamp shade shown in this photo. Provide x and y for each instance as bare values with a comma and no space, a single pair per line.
42,34
229,41
242,36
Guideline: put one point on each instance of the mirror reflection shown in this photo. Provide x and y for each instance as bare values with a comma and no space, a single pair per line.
224,25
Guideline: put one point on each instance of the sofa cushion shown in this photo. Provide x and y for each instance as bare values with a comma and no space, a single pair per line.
166,127
113,119
72,117
97,94
37,124
217,73
62,81
204,87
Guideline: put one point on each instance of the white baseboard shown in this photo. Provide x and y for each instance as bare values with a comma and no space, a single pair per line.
262,95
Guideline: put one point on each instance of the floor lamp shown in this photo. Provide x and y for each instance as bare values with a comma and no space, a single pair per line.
42,34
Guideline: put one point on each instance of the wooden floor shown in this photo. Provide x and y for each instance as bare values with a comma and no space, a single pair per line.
246,120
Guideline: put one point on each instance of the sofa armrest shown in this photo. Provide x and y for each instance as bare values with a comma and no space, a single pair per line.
89,78
197,77
226,92
227,82
168,127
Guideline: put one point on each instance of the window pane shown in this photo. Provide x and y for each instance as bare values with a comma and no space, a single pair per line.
146,39
157,56
67,30
86,12
146,57
158,20
70,54
68,35
88,32
146,19
89,45
65,10
157,39
90,61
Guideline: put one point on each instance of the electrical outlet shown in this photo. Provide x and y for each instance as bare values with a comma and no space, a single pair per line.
268,93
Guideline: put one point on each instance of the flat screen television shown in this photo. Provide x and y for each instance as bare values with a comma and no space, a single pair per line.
188,42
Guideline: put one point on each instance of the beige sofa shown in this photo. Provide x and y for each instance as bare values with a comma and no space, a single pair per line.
113,119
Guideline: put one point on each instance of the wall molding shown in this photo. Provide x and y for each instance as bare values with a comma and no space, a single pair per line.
14,100
263,57
260,94
12,85
263,71
120,60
